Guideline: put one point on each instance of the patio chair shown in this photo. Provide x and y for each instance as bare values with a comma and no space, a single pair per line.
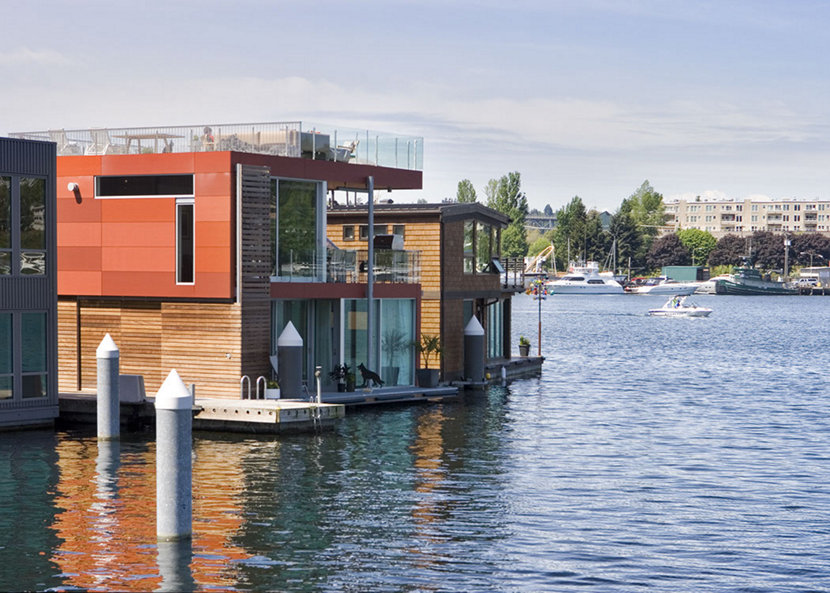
64,147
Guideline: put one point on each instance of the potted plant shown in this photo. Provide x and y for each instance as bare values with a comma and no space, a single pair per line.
427,347
524,346
338,375
394,342
272,389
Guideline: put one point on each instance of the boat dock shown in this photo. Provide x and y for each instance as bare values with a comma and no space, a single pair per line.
256,415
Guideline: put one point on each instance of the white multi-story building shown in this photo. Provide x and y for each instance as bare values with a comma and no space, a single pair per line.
743,217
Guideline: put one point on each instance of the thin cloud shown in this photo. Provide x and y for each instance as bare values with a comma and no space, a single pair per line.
24,56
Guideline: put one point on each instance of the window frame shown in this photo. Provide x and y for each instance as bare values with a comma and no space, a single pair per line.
181,204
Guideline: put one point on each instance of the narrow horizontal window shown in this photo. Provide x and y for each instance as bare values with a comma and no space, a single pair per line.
143,186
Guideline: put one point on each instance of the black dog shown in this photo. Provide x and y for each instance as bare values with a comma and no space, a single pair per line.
369,375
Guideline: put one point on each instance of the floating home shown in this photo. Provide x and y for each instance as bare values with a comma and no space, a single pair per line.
195,246
461,271
28,307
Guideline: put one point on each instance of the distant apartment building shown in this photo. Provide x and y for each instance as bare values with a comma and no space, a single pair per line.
28,294
744,217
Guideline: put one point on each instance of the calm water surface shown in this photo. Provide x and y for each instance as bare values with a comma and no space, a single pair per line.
651,455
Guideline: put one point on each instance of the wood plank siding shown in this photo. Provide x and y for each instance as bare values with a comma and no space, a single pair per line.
202,341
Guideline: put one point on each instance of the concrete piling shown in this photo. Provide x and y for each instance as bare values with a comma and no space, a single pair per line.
290,353
108,398
174,462
474,351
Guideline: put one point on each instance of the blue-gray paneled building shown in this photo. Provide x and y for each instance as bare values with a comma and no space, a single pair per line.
28,284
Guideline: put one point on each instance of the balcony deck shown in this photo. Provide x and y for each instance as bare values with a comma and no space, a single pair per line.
288,139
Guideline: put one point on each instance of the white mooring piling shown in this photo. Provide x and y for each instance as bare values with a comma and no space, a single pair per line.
174,462
474,351
290,353
108,398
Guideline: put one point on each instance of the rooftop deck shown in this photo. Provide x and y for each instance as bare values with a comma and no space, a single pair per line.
288,139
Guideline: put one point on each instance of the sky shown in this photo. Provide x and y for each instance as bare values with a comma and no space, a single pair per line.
588,98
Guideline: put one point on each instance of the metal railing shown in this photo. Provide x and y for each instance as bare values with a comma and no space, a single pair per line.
291,139
350,267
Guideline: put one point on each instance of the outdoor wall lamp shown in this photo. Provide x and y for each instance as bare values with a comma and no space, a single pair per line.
75,189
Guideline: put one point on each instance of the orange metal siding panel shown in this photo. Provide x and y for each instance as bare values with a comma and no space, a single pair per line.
213,234
212,259
213,184
139,259
211,162
213,209
138,234
79,234
76,283
147,164
138,209
78,165
79,259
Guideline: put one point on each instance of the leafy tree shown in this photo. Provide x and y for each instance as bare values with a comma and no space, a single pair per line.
548,210
628,239
507,197
648,212
466,192
729,251
698,243
569,234
767,250
810,246
667,250
596,243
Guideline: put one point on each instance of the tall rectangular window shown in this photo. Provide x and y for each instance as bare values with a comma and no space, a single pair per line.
33,354
482,247
469,242
298,229
184,242
32,226
5,226
6,361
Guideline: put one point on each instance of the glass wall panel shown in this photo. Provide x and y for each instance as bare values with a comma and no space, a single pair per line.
295,311
33,354
397,324
326,337
355,334
482,247
495,330
469,240
32,226
5,226
6,365
296,223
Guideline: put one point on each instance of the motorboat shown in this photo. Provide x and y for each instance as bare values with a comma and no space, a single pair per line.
585,279
664,285
677,306
749,281
710,286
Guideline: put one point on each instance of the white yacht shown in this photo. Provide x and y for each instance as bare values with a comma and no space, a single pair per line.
585,279
667,286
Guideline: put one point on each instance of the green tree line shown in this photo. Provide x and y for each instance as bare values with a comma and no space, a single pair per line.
632,238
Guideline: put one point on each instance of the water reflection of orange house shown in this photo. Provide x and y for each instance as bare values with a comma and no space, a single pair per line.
105,515
430,475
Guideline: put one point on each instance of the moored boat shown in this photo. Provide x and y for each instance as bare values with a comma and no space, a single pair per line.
664,285
748,281
585,279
